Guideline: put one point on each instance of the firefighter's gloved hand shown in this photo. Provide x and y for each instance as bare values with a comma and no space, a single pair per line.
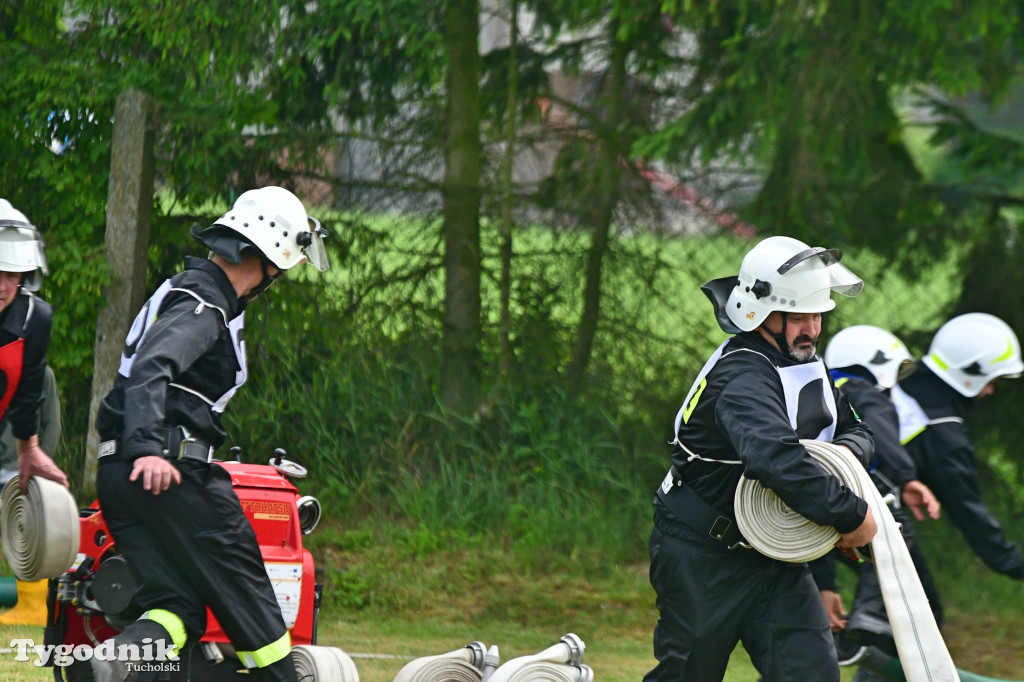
157,473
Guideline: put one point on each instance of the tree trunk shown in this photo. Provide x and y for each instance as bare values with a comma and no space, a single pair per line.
460,345
505,284
607,194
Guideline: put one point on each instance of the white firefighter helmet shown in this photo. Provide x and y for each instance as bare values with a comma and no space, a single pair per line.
971,350
784,274
273,220
872,348
21,247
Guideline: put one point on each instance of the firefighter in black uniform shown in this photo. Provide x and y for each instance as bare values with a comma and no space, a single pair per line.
174,516
967,354
762,391
25,321
866,362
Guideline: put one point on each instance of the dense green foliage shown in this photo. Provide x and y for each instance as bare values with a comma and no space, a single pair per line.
807,106
343,383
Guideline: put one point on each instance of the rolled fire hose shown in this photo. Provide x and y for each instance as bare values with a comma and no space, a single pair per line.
462,665
562,662
39,527
775,530
323,664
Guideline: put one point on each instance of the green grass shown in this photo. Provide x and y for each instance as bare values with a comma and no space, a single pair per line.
394,594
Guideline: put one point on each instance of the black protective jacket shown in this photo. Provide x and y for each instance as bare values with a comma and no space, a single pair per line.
30,318
741,415
876,410
945,462
891,459
188,344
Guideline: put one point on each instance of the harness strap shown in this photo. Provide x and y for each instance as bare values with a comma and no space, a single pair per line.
181,446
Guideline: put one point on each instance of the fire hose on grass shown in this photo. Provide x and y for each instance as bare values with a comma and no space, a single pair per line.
323,663
562,662
775,530
462,665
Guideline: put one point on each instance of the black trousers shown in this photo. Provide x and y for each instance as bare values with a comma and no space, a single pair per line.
191,547
710,598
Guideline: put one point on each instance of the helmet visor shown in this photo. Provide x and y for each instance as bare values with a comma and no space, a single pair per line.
841,279
844,282
314,250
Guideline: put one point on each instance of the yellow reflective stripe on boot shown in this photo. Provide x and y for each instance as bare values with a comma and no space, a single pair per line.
264,656
170,622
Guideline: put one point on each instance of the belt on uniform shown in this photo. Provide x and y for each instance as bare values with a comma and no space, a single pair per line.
189,448
694,511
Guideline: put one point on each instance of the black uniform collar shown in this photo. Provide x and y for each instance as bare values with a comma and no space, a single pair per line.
220,278
12,319
932,392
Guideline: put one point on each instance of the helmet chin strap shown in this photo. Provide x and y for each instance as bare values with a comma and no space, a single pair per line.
263,285
780,338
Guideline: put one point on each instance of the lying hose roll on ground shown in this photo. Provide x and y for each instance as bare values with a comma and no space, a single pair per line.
562,662
323,664
777,531
40,528
462,665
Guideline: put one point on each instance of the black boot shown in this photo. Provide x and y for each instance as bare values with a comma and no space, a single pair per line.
124,656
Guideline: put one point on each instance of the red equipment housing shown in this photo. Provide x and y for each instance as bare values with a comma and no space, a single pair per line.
92,600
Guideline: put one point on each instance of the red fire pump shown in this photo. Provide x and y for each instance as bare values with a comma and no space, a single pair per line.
93,600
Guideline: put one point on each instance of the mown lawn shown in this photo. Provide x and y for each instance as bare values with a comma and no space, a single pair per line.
387,603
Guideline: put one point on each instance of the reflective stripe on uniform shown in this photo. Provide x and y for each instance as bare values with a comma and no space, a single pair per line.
268,655
170,622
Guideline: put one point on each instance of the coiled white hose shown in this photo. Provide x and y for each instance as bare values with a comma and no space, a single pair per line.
462,665
39,527
562,662
777,531
323,664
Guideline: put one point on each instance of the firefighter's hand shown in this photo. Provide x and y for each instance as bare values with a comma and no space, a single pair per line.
861,535
833,602
32,461
157,473
918,497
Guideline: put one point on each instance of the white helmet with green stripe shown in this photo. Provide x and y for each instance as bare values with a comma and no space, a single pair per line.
971,350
